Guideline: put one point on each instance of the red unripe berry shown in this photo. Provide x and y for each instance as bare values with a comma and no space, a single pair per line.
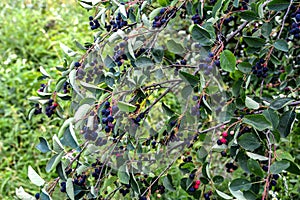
196,186
197,182
55,104
224,134
223,140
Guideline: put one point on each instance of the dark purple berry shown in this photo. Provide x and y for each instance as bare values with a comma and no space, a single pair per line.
37,195
77,64
110,118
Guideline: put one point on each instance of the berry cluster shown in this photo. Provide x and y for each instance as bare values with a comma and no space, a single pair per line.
38,109
259,69
138,119
207,195
94,24
63,186
107,119
116,24
188,159
163,16
195,186
51,107
41,89
119,54
228,20
197,19
126,190
66,87
230,167
223,139
244,5
295,30
80,180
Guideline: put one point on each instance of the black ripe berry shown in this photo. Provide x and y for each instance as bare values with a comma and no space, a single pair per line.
265,168
273,182
37,195
223,153
275,176
143,198
77,64
107,104
91,18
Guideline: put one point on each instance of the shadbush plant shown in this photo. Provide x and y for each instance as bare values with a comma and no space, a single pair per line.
175,99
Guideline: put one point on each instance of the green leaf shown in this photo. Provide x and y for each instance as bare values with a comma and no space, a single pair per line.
164,2
278,166
167,110
109,62
81,112
250,103
34,177
126,107
43,146
70,188
167,182
254,41
21,194
255,168
248,15
54,160
240,184
70,138
228,61
244,67
217,8
281,45
123,174
158,54
249,141
142,62
201,35
218,179
223,195
175,47
67,50
278,5
45,195
256,156
61,171
257,121
154,13
44,72
286,123
57,145
293,168
134,184
272,116
189,78
280,103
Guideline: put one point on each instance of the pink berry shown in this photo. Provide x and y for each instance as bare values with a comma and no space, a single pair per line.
223,140
196,186
197,182
224,134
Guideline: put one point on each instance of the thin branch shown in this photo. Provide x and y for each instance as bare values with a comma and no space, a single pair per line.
237,31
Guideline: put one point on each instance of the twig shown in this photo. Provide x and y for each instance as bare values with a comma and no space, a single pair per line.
264,195
237,31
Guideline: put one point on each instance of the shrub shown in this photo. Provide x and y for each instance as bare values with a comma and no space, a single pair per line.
180,99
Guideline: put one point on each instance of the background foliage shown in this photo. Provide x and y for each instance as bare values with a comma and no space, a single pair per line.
30,35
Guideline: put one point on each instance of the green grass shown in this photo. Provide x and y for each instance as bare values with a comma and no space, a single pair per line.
30,36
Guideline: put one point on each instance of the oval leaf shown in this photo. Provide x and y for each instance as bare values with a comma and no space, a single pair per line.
228,61
34,177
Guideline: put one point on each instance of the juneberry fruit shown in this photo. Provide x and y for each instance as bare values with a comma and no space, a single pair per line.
37,195
77,64
110,118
